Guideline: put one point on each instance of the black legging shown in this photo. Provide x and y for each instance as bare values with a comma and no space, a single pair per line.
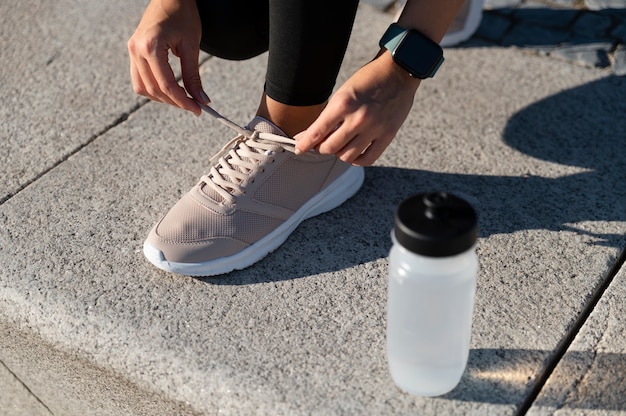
306,39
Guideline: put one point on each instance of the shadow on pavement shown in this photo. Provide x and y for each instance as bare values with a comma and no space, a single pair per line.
502,376
542,26
582,127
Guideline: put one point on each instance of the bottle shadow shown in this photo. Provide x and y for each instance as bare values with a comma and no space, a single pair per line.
583,127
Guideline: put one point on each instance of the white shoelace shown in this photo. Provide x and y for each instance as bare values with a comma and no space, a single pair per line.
240,157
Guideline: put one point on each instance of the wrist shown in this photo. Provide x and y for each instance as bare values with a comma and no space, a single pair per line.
394,71
172,7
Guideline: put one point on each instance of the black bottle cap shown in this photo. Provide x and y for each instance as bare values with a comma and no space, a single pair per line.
436,224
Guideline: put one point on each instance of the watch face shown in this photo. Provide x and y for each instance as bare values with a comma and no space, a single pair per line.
417,54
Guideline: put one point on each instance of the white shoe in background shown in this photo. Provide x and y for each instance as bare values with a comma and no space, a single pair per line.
465,23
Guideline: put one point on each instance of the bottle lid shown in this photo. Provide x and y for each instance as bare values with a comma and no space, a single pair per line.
436,224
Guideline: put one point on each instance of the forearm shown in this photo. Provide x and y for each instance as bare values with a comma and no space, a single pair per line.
430,17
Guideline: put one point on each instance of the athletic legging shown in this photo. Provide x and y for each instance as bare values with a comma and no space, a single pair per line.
306,39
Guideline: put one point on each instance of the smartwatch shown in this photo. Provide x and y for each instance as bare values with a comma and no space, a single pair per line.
413,51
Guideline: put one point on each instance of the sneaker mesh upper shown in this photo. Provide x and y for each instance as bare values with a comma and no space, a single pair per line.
293,184
193,222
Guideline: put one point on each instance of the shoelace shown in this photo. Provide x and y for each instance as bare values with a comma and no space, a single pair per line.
240,157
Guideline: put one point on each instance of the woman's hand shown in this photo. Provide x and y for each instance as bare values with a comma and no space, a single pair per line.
364,115
168,25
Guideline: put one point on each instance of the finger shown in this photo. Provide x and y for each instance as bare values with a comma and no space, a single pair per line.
169,87
371,153
339,139
151,87
325,125
191,75
354,149
141,75
138,85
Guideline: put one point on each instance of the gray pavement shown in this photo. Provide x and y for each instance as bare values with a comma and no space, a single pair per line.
87,326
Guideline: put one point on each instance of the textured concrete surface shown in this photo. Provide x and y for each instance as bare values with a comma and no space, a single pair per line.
60,80
535,143
590,377
47,381
16,398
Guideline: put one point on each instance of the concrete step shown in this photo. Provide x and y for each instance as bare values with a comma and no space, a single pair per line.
89,327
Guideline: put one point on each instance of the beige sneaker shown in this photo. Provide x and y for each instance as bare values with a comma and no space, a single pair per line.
255,195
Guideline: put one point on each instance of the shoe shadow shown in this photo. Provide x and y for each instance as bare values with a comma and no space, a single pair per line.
583,127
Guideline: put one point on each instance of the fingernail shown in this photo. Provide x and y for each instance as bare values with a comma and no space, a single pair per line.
205,98
298,151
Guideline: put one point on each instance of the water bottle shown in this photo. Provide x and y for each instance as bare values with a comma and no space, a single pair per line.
432,282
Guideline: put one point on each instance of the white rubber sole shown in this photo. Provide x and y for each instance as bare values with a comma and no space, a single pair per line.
342,189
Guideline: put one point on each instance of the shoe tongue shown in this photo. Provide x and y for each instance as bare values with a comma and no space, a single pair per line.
265,126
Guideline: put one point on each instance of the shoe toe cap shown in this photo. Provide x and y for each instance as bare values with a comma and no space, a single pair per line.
191,233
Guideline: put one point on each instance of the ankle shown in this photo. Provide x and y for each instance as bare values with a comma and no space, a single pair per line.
290,119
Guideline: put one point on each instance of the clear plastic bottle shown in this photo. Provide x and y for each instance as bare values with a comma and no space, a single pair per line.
432,282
